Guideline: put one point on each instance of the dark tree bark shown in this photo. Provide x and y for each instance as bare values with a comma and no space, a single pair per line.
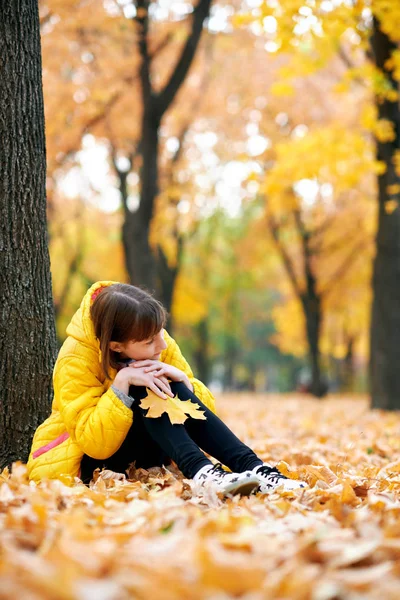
201,354
311,303
311,300
27,329
385,322
167,275
348,366
141,261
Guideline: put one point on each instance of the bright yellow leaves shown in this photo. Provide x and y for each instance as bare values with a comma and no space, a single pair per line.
388,13
393,64
289,323
151,537
382,129
328,155
190,300
177,410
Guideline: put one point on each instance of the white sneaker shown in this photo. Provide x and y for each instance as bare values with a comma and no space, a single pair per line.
270,478
226,482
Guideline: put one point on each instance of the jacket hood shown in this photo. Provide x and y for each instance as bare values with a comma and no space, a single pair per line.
81,326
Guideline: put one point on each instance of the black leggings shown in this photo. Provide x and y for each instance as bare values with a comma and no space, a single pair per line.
154,442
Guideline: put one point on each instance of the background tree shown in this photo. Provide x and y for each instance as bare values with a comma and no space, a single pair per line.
27,332
310,35
118,87
385,324
211,139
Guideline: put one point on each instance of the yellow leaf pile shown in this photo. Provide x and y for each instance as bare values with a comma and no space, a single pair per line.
150,537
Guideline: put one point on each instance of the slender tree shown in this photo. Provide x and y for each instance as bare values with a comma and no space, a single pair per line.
136,227
385,323
306,284
27,329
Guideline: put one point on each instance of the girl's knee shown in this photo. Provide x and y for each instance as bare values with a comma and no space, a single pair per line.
180,389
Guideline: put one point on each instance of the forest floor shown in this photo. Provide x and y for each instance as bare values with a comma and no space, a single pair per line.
151,538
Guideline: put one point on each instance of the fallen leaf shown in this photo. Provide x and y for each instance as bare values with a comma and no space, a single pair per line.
177,410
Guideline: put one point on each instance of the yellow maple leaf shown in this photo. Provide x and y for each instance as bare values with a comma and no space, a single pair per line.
177,410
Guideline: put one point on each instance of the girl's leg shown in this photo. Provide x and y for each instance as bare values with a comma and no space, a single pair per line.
218,440
183,442
152,442
215,438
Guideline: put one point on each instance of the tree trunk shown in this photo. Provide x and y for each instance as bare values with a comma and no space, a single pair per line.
385,322
229,365
348,366
167,275
312,313
27,330
311,301
202,351
140,259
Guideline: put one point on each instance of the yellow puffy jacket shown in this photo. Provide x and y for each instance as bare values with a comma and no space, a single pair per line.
87,417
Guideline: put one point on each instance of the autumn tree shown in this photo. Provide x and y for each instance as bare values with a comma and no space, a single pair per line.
27,333
127,105
385,325
365,38
155,104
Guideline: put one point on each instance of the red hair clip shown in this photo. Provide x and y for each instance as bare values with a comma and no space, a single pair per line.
96,293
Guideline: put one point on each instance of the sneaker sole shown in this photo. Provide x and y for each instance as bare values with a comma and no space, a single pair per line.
272,490
243,488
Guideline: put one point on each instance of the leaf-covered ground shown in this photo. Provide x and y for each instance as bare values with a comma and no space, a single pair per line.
153,539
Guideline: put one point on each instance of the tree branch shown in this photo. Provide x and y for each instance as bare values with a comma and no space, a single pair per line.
287,261
342,269
112,101
165,98
142,19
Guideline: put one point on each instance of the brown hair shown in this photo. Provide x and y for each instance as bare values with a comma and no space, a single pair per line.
122,313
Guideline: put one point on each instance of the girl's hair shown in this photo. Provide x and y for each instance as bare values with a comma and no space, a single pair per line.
123,313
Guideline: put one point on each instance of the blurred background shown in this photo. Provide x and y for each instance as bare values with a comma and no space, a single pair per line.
223,155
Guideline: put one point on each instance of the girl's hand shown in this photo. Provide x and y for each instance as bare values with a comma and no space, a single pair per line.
160,369
139,377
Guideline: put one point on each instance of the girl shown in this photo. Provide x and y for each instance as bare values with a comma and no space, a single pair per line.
116,353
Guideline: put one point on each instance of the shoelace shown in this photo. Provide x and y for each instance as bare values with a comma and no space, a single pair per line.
218,471
272,474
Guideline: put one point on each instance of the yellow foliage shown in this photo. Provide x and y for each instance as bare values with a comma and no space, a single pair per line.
190,302
390,206
396,162
86,240
346,158
369,116
384,131
388,13
393,190
393,64
282,88
289,323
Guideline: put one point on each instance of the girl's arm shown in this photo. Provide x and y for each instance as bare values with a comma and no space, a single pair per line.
96,419
173,356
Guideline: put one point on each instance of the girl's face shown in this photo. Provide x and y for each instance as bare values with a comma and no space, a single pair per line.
145,350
